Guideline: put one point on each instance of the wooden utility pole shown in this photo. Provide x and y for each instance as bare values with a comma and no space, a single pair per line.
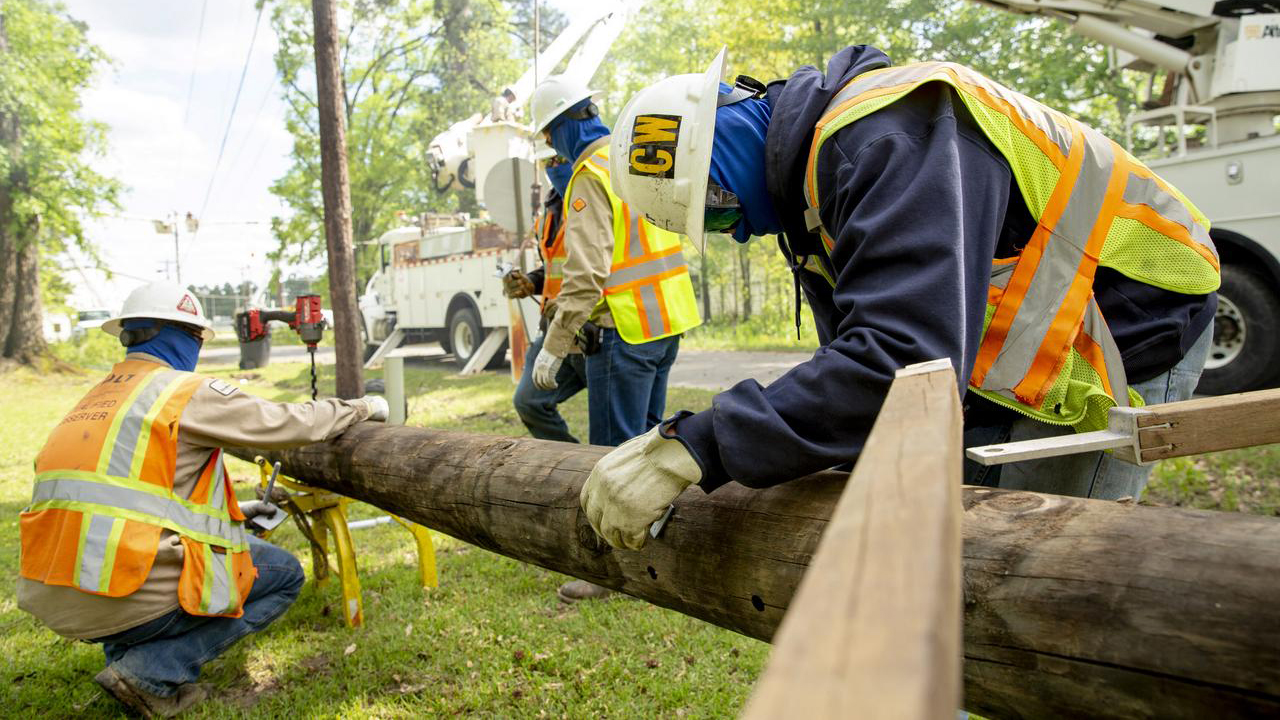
331,100
1072,607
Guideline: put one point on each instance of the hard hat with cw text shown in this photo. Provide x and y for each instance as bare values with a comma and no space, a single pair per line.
553,96
661,149
162,301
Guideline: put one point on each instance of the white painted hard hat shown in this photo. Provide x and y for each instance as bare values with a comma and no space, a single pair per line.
660,152
553,96
161,301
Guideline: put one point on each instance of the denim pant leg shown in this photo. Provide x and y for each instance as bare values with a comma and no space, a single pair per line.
536,407
620,382
658,393
1100,475
160,655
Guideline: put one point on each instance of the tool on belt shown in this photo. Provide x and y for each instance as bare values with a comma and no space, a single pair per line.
589,338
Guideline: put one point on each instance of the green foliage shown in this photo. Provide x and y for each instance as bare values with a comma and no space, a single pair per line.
95,350
1235,481
47,146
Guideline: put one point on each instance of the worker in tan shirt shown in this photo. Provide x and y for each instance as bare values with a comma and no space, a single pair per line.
626,296
133,538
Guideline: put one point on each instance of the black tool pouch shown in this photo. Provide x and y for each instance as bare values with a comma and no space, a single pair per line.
589,338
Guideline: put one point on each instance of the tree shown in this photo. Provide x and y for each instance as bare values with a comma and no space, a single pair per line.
46,184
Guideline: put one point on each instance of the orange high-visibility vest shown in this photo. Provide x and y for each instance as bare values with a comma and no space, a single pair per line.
104,493
553,256
1046,351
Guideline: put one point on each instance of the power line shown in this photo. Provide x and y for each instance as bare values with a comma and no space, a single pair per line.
222,147
195,63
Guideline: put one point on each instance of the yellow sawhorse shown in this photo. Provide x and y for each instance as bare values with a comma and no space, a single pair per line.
319,514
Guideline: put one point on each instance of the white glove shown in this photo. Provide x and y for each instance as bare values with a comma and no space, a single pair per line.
545,368
378,408
632,486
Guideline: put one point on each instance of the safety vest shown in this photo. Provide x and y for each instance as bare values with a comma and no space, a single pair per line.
649,292
1046,350
104,493
552,237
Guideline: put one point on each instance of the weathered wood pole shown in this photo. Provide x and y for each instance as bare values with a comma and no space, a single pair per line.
331,102
1076,608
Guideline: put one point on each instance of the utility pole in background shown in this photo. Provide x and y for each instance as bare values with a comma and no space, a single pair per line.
337,201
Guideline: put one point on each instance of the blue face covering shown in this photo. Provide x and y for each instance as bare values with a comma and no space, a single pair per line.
570,136
171,345
559,176
737,163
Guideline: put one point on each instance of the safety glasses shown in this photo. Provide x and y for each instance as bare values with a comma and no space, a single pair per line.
723,211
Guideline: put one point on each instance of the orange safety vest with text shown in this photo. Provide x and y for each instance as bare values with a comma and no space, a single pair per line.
104,493
554,256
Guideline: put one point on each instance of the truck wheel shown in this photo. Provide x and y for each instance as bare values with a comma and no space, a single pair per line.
1246,335
464,335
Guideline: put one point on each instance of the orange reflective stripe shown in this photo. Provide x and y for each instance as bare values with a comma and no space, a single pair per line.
998,330
1066,322
1163,225
1091,351
651,280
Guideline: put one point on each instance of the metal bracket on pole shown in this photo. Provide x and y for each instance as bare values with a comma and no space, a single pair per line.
1121,436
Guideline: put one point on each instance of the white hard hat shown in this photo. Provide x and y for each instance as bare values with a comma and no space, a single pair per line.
162,301
661,149
553,96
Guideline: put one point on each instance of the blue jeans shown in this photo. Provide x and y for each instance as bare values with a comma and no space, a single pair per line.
537,408
1096,475
627,387
162,654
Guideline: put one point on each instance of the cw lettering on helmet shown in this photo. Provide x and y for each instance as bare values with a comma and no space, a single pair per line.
653,145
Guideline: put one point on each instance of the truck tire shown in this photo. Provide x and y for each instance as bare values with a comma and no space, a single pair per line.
464,334
1246,335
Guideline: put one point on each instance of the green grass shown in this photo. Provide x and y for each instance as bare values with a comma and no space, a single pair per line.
491,641
758,333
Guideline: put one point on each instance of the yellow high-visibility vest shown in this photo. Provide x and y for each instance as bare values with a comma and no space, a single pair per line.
649,292
1046,350
104,493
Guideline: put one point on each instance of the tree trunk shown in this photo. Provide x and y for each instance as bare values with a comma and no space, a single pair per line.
21,312
331,101
1072,607
744,263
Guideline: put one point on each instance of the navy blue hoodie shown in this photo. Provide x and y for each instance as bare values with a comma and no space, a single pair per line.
919,202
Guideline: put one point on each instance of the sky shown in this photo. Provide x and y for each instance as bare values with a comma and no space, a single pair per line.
167,98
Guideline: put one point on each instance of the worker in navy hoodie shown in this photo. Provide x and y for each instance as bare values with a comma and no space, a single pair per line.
926,212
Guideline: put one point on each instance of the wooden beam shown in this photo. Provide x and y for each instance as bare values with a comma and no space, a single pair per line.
1072,607
1209,424
874,629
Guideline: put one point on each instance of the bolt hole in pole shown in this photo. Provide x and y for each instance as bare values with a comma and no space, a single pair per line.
757,603
653,573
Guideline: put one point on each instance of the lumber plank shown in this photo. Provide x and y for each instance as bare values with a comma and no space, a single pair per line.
874,629
1072,607
1209,424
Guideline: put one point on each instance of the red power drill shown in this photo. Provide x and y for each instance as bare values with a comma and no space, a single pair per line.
306,318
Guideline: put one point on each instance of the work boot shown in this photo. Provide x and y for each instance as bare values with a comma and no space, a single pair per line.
575,590
143,702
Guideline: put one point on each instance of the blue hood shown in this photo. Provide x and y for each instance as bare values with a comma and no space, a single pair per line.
570,136
171,345
559,176
737,163
797,104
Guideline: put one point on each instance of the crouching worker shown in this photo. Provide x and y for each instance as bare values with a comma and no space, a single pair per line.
133,538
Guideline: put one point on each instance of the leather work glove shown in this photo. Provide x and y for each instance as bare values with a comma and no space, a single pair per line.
516,284
379,410
545,369
632,487
255,509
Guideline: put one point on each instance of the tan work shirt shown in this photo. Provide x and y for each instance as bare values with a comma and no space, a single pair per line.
588,244
217,416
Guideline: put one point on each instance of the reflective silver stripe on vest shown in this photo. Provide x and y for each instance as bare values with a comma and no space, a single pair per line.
121,463
109,496
217,576
646,269
218,491
1145,191
1057,268
635,246
1096,327
93,553
652,312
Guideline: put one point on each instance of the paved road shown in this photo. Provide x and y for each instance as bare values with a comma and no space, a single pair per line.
706,369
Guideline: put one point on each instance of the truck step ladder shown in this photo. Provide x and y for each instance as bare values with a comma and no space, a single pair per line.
483,354
391,343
